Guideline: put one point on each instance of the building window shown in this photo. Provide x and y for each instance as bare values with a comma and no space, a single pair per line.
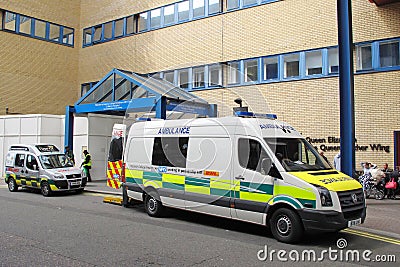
87,36
251,70
270,68
333,60
249,2
198,77
97,33
183,11
364,57
155,18
40,29
232,4
291,65
68,36
389,54
214,6
215,75
142,22
233,72
54,33
25,25
35,28
108,30
9,21
183,79
169,76
130,25
119,28
314,62
198,8
85,88
169,14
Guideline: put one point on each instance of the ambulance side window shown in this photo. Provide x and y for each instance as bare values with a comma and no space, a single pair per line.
170,151
31,161
20,160
251,154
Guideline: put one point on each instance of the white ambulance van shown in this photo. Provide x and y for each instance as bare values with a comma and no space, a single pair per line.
41,166
250,167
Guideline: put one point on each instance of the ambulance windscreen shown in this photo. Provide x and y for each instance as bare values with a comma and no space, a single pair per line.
296,154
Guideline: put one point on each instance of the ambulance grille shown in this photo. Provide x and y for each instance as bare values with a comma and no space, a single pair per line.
73,176
352,203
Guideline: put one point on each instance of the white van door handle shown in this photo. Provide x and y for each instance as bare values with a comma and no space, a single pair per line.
240,177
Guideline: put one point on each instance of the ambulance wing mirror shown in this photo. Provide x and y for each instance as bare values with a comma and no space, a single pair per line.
269,168
35,167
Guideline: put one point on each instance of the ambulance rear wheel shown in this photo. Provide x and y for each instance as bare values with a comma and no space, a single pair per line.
45,189
12,185
153,207
286,226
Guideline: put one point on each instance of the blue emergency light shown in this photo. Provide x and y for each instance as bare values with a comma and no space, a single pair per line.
246,114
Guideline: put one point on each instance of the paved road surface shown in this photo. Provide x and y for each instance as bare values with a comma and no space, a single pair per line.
81,230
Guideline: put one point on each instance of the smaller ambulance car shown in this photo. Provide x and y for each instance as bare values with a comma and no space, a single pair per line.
41,166
251,167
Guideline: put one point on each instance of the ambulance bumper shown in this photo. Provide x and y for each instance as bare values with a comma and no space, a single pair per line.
329,221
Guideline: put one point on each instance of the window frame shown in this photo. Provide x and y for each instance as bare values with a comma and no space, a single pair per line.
264,70
32,24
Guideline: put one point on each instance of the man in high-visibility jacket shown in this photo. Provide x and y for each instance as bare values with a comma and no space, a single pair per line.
87,165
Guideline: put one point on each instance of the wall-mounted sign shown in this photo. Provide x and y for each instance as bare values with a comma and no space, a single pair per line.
332,143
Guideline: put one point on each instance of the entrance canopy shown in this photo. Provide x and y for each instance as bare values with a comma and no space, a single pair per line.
123,91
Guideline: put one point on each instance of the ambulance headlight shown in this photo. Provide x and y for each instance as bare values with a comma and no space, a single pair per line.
58,176
325,196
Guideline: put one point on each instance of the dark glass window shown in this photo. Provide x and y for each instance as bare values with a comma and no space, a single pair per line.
251,154
270,68
291,65
389,54
31,162
20,160
170,151
364,57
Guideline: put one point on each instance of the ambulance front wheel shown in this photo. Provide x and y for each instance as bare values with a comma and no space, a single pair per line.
154,207
12,185
45,189
286,226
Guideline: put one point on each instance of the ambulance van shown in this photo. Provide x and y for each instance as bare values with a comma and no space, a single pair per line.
249,167
41,166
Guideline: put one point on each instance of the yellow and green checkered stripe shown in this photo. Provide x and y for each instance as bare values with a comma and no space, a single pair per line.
219,187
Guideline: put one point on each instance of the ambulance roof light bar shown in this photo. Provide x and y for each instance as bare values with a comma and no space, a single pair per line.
246,114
